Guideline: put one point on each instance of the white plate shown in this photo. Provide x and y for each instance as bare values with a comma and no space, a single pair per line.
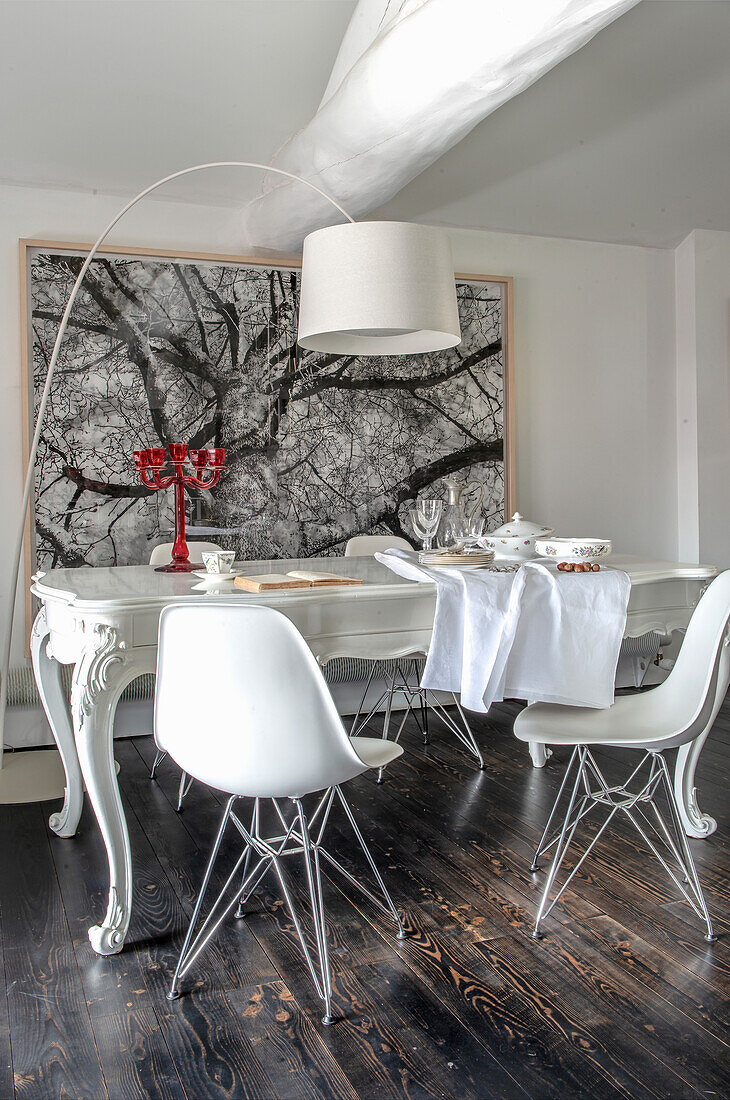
212,579
458,561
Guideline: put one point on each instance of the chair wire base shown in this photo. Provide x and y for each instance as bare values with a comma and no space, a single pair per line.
301,836
186,781
419,702
667,841
159,757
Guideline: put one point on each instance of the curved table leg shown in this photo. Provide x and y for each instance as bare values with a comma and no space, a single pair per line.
98,680
540,753
695,822
47,673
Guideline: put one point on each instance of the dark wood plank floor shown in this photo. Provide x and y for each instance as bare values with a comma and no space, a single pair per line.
622,997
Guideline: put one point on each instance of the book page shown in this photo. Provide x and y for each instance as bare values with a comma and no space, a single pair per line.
316,578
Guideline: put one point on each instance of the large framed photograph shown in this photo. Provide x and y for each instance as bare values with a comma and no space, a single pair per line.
164,348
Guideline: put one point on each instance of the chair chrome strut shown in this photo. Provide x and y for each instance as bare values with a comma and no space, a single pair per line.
419,701
186,781
300,836
589,789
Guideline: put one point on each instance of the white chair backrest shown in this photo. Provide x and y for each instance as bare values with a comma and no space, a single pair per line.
361,546
698,682
241,704
161,554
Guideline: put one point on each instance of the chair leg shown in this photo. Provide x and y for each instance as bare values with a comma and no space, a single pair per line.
665,844
564,839
295,838
535,866
386,720
186,783
461,730
424,709
174,992
469,739
314,882
159,757
389,906
355,728
689,862
240,912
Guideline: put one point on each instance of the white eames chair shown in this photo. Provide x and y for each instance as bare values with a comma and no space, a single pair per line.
364,546
666,717
241,704
401,673
160,556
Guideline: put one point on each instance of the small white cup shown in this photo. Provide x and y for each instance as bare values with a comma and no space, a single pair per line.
218,561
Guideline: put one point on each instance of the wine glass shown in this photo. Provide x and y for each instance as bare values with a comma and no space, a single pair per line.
425,518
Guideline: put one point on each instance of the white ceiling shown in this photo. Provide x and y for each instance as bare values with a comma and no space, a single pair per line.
111,95
628,140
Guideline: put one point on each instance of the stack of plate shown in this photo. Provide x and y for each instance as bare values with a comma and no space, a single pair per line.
460,560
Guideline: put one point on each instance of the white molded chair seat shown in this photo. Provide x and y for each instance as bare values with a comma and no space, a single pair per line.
376,752
419,701
669,716
241,704
630,722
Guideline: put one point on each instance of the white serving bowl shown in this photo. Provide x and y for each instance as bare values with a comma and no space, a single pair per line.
564,549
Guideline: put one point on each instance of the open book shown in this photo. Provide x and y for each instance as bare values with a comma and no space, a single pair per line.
296,578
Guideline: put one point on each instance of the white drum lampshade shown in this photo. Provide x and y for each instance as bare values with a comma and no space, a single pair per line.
378,288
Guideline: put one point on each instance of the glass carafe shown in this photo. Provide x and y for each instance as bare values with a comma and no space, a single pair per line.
455,519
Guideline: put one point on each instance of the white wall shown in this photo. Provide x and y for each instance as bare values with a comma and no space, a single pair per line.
703,394
595,377
595,384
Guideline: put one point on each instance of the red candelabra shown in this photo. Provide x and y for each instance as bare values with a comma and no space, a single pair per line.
208,462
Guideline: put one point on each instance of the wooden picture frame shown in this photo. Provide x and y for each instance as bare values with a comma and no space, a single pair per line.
30,248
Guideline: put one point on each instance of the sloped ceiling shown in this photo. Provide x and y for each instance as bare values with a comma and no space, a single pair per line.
628,140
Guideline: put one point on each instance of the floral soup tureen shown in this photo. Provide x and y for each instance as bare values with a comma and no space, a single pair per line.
516,538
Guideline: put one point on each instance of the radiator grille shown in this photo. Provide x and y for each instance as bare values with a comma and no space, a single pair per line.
22,690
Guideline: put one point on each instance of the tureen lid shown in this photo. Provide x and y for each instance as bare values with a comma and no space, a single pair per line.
519,527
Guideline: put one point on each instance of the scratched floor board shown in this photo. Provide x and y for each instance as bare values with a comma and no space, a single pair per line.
664,1032
573,1029
622,997
618,879
386,1042
53,1049
618,853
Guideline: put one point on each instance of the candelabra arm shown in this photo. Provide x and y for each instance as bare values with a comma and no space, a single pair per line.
158,482
196,480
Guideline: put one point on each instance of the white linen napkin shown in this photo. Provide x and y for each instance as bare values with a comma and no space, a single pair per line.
536,634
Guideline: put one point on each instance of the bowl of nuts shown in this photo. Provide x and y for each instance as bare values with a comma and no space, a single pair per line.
574,551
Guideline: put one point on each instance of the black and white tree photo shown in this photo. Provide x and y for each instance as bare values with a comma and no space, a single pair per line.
320,447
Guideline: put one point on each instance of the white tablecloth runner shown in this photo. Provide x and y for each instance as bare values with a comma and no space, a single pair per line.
537,634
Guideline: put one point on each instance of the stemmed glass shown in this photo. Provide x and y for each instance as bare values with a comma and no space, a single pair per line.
425,518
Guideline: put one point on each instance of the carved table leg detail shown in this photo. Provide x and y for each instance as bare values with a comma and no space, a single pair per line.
47,673
540,753
98,681
695,822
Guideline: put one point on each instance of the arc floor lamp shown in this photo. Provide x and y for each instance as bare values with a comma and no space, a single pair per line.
367,288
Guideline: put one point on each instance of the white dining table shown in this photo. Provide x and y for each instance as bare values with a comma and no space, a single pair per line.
104,622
